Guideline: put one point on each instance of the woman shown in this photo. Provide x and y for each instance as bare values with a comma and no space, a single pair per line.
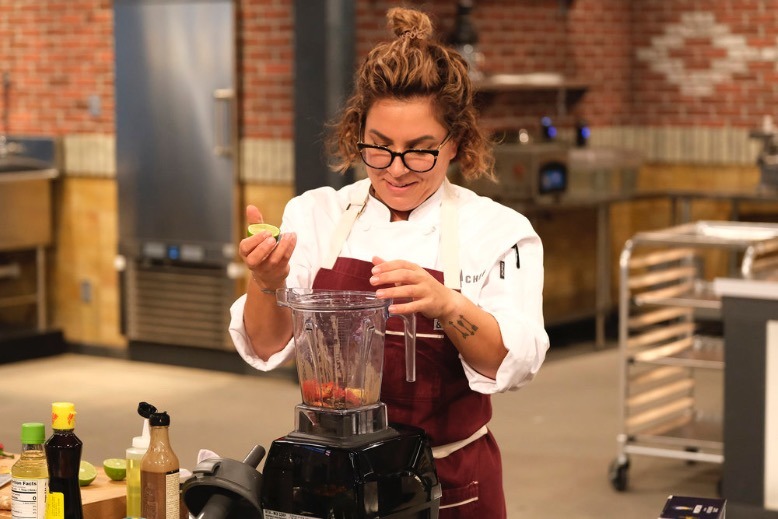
469,268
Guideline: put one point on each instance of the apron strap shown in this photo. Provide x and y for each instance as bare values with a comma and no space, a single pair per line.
449,237
355,207
449,232
442,451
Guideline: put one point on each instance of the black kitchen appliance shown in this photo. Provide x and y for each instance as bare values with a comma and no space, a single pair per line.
350,464
535,171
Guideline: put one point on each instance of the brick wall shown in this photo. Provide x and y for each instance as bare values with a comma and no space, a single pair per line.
600,46
59,58
704,63
653,62
589,41
265,57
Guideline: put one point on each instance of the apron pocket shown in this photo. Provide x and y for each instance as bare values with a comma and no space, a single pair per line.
462,499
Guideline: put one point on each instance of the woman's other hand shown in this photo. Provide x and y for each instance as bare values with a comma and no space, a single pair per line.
414,290
267,259
474,332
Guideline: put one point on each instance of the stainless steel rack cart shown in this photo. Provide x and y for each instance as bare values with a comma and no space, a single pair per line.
667,310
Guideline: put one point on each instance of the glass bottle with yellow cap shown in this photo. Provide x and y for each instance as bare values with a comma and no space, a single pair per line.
63,455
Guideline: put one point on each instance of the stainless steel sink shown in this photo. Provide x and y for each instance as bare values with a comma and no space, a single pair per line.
17,164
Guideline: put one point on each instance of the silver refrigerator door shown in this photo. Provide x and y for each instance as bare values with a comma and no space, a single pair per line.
175,129
176,173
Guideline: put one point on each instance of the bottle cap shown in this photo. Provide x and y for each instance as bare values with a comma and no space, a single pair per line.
33,433
63,415
159,419
146,410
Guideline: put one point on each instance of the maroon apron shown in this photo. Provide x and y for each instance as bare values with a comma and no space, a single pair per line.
440,402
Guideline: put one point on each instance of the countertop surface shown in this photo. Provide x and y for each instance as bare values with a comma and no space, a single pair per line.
103,498
605,196
746,288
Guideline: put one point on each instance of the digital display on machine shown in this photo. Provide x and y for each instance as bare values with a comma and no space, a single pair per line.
173,252
552,178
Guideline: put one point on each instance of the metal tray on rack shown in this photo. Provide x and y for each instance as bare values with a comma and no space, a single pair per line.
714,233
688,434
703,352
700,295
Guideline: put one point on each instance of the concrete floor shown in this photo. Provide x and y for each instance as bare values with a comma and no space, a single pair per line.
557,436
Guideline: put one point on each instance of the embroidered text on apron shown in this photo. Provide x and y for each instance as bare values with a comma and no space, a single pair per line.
440,401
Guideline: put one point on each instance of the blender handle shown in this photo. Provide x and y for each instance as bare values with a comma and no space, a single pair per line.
410,345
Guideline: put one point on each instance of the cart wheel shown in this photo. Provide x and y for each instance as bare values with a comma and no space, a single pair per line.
617,473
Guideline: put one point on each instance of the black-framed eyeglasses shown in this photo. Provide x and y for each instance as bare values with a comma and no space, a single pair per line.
418,161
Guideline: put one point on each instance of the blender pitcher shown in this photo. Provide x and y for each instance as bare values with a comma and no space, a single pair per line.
339,345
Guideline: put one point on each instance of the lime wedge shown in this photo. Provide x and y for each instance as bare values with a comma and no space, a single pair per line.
256,228
86,474
115,468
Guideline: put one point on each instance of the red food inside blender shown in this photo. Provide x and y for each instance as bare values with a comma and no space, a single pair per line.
331,395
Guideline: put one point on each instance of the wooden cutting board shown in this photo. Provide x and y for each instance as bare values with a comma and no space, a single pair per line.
102,499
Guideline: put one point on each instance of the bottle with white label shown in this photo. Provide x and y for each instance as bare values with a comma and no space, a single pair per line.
30,475
159,468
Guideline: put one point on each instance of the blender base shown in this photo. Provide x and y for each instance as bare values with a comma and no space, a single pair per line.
341,423
387,474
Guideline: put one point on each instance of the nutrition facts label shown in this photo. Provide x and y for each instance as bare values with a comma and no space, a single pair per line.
28,498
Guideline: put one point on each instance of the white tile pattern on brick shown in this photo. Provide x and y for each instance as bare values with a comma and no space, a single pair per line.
267,160
261,160
89,155
661,55
677,144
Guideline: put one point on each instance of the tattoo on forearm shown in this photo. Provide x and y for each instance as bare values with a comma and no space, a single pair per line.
463,326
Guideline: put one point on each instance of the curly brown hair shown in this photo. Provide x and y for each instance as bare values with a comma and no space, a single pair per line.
410,66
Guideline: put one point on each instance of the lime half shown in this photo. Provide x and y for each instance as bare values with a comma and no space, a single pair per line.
115,468
256,228
86,474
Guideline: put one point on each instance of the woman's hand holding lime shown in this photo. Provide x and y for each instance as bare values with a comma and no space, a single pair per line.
266,253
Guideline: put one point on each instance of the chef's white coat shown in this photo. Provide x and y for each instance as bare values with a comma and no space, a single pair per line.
505,281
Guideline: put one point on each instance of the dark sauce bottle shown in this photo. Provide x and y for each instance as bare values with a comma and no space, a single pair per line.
63,456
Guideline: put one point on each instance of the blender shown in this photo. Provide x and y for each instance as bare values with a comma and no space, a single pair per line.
343,459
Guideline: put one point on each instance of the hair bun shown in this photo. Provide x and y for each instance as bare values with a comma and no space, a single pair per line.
409,22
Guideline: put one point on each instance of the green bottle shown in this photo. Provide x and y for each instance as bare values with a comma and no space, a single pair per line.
30,475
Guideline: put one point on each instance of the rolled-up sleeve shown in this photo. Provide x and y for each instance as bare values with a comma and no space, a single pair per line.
512,293
243,344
